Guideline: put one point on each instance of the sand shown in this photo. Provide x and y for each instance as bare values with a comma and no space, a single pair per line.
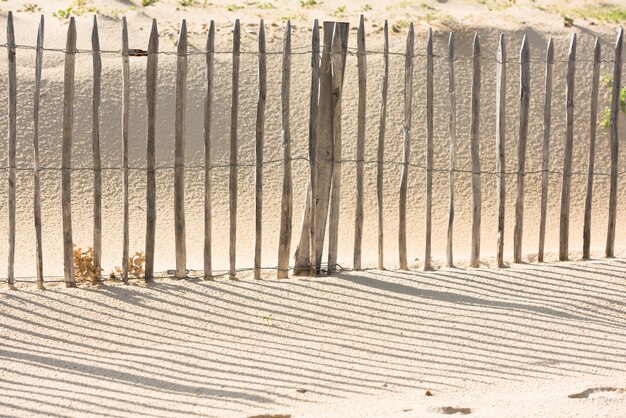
528,341
510,342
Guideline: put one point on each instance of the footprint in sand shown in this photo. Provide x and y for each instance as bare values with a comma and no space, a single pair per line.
602,392
450,410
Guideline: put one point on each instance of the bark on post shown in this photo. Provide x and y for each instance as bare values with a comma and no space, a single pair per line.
381,146
208,115
501,146
452,132
36,168
12,144
233,186
429,148
259,143
475,154
360,145
95,143
125,119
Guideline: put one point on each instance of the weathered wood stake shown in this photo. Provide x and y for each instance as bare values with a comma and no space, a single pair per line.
567,157
234,112
151,95
452,132
381,147
12,144
36,168
501,146
429,149
259,143
360,145
208,115
545,154
475,154
125,119
95,144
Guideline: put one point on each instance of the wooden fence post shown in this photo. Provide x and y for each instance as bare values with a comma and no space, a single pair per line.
501,146
12,144
233,151
567,162
408,110
615,103
593,121
95,143
429,148
545,154
521,150
66,160
381,146
259,143
360,144
151,87
37,174
475,154
338,68
125,119
287,197
208,114
452,132
179,153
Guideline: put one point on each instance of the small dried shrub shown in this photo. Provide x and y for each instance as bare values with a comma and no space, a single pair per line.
135,266
84,267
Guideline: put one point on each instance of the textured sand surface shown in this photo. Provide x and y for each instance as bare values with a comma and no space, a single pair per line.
512,342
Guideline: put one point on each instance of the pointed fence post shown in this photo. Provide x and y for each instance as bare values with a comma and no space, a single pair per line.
234,112
287,197
95,144
475,154
151,93
179,153
521,150
381,147
429,149
615,103
593,122
12,145
36,168
501,146
125,120
567,156
208,115
545,153
452,133
259,143
360,144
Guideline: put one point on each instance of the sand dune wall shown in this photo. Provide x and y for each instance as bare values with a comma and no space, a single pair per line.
51,113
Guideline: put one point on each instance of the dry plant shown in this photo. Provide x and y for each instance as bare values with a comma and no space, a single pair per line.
135,266
84,267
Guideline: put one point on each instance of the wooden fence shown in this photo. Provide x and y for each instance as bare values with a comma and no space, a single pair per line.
328,61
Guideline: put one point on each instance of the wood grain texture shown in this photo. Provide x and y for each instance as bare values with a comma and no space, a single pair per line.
305,255
452,133
338,69
429,150
408,112
567,154
66,158
360,144
545,153
615,103
95,145
232,183
518,232
179,153
36,166
258,146
12,146
593,122
287,196
208,164
151,95
125,119
501,147
380,168
475,153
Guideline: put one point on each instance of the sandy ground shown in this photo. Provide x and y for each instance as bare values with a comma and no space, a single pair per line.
528,341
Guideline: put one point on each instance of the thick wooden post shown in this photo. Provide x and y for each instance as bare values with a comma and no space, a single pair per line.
501,146
95,144
151,87
179,153
429,149
408,111
360,144
452,132
66,159
593,121
12,144
287,197
125,119
259,143
567,158
208,115
36,168
381,146
234,112
338,68
545,154
521,149
615,103
475,154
